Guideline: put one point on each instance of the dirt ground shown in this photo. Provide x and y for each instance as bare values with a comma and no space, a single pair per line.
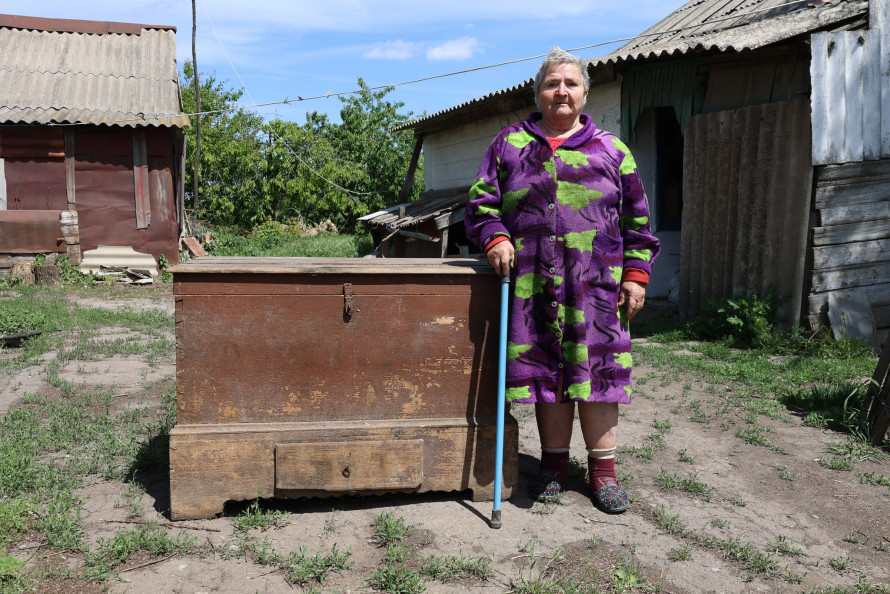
760,497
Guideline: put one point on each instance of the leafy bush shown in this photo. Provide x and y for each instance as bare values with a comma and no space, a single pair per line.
748,321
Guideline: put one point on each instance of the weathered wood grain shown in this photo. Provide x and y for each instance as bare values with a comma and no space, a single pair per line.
349,465
851,232
851,254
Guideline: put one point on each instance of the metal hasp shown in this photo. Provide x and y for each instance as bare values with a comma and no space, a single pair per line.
305,377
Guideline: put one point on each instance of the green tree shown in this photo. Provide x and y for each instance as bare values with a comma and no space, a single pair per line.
365,137
231,154
254,171
304,178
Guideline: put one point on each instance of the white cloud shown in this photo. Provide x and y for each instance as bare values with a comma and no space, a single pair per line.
458,49
391,50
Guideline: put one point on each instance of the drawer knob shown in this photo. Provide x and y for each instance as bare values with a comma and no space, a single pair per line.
346,472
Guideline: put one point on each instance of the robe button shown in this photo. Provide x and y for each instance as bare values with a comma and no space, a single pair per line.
553,238
551,206
554,304
552,270
560,365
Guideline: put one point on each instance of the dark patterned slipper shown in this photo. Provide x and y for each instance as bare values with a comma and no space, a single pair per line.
610,498
545,488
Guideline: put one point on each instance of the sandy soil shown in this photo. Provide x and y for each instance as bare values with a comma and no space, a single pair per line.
759,496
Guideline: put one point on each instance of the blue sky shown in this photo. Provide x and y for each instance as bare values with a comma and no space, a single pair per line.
285,49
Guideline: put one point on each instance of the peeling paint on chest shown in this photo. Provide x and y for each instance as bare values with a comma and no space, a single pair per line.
444,320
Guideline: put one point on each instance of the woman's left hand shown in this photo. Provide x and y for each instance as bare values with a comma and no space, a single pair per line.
633,295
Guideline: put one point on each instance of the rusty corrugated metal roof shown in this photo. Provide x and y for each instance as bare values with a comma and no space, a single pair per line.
708,26
64,77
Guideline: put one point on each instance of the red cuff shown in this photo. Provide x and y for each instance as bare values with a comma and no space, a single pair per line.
636,275
496,241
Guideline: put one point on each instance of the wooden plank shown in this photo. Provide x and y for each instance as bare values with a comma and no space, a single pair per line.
2,184
880,26
835,96
349,465
853,275
874,293
850,194
871,96
140,179
211,464
854,172
69,167
818,71
851,253
851,232
853,72
226,265
856,213
412,168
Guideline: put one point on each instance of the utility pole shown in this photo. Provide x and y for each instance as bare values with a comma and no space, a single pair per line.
196,174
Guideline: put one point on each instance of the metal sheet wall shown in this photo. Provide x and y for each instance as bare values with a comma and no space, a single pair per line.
850,74
747,180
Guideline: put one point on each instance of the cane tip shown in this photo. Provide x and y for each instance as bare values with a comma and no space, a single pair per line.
496,518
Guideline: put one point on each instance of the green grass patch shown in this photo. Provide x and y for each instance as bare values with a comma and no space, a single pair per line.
151,538
269,242
670,481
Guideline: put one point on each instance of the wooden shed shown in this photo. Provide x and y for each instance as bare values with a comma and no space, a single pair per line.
91,142
759,129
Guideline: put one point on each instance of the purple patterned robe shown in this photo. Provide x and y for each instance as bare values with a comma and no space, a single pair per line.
577,217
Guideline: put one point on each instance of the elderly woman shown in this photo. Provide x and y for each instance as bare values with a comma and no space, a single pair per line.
561,204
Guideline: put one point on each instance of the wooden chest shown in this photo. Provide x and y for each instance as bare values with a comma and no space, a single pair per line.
322,377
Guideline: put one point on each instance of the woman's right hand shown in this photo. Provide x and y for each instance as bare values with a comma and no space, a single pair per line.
500,256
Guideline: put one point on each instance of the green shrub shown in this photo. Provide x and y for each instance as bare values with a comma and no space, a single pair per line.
748,321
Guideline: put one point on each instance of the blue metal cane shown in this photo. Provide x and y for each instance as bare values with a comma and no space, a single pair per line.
502,379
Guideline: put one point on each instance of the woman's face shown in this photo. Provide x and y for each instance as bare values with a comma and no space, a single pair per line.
561,95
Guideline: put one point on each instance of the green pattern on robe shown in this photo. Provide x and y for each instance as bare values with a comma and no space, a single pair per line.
519,393
644,255
480,187
576,159
580,391
528,285
581,241
629,221
626,360
615,272
574,352
520,139
575,195
518,244
627,389
515,350
511,199
550,167
570,315
558,280
628,165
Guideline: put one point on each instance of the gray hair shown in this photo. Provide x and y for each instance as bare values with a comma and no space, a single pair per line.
555,57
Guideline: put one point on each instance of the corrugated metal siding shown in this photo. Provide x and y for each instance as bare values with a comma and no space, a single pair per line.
851,245
746,202
735,25
851,92
51,77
